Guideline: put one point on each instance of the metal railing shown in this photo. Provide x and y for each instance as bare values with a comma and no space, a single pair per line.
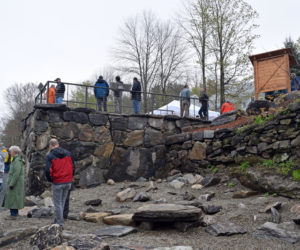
82,95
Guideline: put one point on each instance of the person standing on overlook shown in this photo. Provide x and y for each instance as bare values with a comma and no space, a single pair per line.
118,95
59,91
51,97
203,112
136,96
101,91
185,101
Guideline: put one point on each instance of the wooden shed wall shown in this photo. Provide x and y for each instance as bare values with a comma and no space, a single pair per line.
271,74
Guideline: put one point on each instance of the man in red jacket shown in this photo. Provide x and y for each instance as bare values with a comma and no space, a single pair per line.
59,170
226,107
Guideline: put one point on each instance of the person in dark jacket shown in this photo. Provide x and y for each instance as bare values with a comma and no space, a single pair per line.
59,170
101,90
295,82
136,96
118,90
59,91
203,112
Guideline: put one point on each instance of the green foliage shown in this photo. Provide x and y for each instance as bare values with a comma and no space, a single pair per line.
274,194
296,175
231,184
268,163
213,169
245,165
242,129
260,119
295,47
286,167
266,194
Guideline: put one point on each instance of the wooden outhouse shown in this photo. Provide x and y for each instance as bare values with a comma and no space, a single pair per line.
272,70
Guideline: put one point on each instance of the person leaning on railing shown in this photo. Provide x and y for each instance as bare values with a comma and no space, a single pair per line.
101,90
118,90
59,91
185,101
136,96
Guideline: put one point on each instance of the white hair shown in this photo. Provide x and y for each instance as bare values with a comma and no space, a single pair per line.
15,149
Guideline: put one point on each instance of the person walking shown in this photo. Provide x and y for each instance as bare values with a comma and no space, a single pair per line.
118,90
226,107
51,97
101,90
59,91
59,170
15,193
136,96
185,101
203,112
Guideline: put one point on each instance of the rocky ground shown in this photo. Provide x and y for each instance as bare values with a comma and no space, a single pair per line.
244,212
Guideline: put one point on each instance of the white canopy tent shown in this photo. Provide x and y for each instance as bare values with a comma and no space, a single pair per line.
173,108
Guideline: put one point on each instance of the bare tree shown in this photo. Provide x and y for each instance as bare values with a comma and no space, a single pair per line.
171,54
19,100
231,40
196,24
137,51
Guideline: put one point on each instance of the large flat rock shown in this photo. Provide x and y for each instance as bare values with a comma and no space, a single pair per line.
167,213
116,231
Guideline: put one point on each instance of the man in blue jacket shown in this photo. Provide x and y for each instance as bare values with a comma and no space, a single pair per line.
136,96
101,90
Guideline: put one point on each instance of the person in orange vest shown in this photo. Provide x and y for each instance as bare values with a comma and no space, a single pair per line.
226,107
51,95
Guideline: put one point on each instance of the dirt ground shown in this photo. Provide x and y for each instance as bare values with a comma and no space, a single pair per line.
238,211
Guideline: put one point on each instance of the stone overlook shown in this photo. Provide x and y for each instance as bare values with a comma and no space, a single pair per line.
123,147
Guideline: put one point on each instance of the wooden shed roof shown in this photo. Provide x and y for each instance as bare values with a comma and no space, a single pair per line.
276,53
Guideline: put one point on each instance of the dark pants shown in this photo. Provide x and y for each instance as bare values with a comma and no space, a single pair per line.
66,207
203,112
14,212
100,101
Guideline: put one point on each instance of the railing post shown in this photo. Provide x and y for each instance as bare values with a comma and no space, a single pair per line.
152,103
47,92
86,95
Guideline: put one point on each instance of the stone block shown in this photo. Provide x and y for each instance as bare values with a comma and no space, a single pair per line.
77,117
134,138
198,152
156,123
137,123
98,119
208,134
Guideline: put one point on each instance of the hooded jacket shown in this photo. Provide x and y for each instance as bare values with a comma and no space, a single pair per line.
136,91
60,90
101,88
14,198
226,107
51,95
60,166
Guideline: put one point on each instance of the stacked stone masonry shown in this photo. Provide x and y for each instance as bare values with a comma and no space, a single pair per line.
124,147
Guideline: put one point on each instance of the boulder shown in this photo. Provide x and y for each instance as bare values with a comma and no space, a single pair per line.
167,213
224,229
178,138
198,151
114,231
258,106
137,123
287,232
244,194
95,202
90,241
127,194
12,236
142,196
77,117
176,184
224,118
210,181
110,182
134,138
98,119
48,236
120,219
43,212
153,138
95,217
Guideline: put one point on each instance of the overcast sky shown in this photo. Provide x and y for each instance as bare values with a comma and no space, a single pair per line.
72,39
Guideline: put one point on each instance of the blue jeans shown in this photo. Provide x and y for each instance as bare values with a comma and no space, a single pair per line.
100,101
60,193
136,107
59,100
0,186
14,212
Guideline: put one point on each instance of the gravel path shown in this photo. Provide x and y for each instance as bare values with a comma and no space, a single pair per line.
238,211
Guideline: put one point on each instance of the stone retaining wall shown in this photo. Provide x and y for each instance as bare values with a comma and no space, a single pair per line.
127,147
